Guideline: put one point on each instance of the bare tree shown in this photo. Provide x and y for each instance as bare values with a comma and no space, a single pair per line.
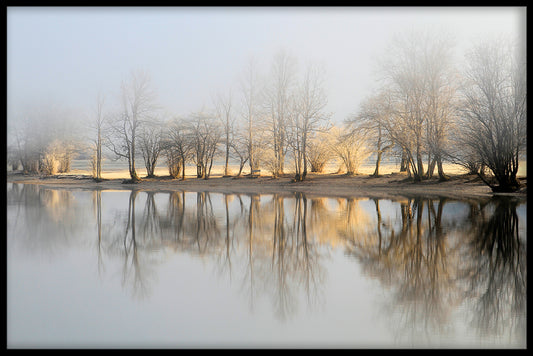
307,118
406,124
278,105
239,151
25,149
319,150
205,136
178,145
250,91
137,107
494,110
350,147
440,96
374,111
223,107
460,152
420,96
151,145
99,126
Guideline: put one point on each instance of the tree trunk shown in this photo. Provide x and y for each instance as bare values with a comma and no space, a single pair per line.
227,156
431,167
241,166
378,161
208,171
133,173
404,164
304,154
199,171
99,158
420,167
442,175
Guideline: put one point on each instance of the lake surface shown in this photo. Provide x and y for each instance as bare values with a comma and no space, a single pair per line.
137,269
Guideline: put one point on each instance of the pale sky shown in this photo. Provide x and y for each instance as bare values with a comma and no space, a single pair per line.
67,55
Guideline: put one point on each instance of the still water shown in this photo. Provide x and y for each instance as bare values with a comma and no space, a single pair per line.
140,269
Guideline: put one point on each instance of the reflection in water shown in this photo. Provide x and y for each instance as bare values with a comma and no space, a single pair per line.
433,255
416,260
45,219
495,269
435,264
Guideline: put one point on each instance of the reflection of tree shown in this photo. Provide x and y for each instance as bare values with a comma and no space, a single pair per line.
97,203
425,261
230,230
413,261
307,256
45,219
495,269
135,251
197,229
294,257
281,257
175,217
131,265
253,211
431,257
206,222
150,224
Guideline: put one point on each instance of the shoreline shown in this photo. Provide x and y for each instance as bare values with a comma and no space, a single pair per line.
393,185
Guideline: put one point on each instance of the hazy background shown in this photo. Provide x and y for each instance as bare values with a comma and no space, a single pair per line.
65,56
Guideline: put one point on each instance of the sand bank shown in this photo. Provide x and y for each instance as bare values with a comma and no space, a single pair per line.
391,185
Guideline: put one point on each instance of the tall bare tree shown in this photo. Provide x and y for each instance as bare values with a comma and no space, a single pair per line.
223,107
406,90
99,126
137,107
307,118
440,101
278,106
494,110
420,95
250,112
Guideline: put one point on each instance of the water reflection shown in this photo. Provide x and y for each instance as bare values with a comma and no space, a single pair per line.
494,268
435,263
433,256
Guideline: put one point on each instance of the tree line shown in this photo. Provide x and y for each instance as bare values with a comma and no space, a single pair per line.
430,109
427,110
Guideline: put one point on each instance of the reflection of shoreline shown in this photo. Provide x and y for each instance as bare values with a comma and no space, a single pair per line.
432,258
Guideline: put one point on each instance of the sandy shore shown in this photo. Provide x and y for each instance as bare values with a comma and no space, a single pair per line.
330,184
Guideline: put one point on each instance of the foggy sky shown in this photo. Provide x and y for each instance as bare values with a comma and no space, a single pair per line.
67,55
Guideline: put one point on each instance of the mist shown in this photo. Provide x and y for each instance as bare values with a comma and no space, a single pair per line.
67,55
263,84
